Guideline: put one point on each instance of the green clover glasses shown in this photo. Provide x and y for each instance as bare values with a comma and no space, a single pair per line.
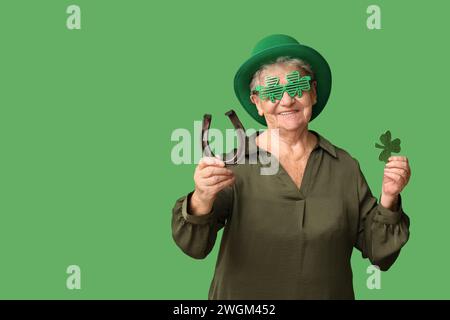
273,90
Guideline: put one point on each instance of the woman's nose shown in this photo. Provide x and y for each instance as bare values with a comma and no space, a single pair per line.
286,99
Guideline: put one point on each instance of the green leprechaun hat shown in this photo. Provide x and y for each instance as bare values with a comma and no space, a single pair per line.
267,50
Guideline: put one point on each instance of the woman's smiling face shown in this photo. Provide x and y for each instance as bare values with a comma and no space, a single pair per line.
288,113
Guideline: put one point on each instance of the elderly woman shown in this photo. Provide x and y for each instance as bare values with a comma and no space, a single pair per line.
289,235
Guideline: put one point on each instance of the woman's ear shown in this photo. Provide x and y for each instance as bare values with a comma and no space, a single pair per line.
260,111
255,101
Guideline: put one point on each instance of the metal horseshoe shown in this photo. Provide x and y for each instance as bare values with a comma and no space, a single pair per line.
240,131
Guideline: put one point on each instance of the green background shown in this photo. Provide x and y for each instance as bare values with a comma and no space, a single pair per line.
87,115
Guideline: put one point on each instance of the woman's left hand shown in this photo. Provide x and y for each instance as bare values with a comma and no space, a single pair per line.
396,176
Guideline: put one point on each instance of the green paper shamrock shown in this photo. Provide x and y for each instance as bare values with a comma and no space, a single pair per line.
388,146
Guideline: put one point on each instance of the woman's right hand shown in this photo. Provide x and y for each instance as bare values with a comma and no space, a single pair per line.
210,178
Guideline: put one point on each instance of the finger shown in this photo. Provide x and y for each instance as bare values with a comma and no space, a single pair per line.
224,184
398,158
395,176
204,162
403,172
210,161
213,170
219,161
397,164
211,181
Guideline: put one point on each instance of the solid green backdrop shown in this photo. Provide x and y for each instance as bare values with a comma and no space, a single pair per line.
86,118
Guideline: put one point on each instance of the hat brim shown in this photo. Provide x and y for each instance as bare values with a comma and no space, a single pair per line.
319,65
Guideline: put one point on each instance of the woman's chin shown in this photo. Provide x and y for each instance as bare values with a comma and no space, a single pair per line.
291,124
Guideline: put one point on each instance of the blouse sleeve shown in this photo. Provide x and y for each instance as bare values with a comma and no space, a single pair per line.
381,232
196,235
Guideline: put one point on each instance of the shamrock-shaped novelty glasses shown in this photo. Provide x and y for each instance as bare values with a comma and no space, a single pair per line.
273,90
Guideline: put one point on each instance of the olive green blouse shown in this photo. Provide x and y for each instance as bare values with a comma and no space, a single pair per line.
282,242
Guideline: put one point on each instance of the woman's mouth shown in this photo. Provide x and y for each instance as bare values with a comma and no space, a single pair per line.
287,113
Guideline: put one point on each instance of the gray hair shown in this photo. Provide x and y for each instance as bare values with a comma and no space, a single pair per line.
288,61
